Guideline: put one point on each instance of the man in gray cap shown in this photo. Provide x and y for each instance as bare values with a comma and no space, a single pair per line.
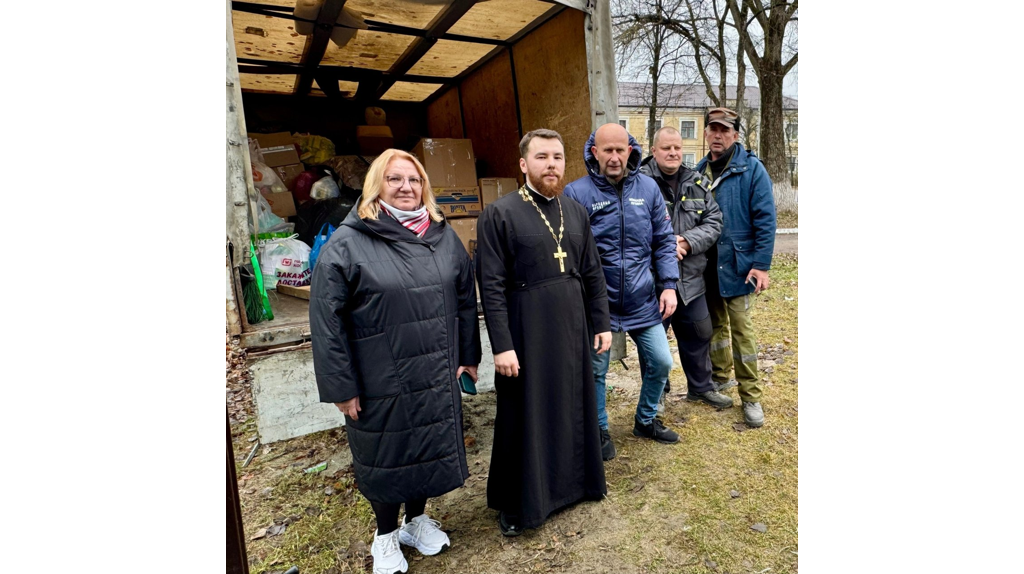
738,265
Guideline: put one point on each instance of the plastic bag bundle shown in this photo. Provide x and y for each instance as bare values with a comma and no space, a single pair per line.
265,178
326,230
315,149
325,188
267,220
285,261
375,116
351,169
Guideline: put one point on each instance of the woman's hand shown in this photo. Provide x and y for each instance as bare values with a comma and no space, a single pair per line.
471,369
351,406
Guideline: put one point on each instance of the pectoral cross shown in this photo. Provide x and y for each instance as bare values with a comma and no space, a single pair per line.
560,256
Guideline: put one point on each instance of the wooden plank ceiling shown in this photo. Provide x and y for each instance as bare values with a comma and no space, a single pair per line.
411,49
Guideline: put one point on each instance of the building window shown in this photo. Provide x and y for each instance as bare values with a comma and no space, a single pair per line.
657,126
792,164
686,129
791,130
689,160
625,124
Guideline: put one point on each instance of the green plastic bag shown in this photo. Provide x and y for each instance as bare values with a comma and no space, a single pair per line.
268,314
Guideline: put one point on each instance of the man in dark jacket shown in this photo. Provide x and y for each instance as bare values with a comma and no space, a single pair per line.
632,230
697,223
740,262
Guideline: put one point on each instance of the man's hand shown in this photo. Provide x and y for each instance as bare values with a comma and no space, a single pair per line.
667,303
682,247
602,342
507,364
350,408
471,369
762,279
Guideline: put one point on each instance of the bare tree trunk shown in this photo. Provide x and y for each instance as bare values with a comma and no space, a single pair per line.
770,74
655,75
741,72
773,142
723,68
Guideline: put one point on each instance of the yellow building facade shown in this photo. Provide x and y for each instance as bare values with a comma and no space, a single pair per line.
683,107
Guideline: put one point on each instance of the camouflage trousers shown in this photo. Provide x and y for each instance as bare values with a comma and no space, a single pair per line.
731,322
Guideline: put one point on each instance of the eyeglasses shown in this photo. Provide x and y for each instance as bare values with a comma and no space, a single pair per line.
395,181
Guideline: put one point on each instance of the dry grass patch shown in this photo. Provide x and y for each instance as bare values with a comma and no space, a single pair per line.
669,508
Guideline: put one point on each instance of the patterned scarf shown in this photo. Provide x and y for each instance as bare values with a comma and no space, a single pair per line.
416,221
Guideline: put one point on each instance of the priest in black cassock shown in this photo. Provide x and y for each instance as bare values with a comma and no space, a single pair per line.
544,300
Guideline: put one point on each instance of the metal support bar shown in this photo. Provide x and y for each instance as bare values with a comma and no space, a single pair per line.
316,46
437,27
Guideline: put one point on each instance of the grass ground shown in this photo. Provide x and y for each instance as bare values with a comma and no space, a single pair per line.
786,220
678,508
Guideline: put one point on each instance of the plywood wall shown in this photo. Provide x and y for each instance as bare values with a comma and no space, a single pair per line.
489,108
499,19
554,91
444,119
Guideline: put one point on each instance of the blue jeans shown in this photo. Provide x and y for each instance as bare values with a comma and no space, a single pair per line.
652,346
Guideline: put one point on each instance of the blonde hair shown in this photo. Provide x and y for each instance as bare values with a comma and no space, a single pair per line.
368,206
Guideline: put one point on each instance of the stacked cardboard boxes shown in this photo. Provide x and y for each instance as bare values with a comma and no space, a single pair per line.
451,167
491,188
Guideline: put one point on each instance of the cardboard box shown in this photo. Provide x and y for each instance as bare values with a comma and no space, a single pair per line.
458,201
288,173
465,228
449,162
491,188
282,204
373,140
277,148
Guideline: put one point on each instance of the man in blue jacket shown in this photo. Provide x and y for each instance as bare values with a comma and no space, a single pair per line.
633,232
738,265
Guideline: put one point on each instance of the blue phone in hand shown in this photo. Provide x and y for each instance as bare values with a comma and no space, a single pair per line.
467,384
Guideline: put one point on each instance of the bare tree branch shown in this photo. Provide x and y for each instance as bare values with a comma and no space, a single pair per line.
789,65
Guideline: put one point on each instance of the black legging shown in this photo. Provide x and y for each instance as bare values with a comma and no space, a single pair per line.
387,514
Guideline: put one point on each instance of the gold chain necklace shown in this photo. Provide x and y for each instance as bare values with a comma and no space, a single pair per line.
559,254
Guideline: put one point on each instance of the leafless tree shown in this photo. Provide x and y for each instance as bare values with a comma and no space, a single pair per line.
650,52
772,18
715,31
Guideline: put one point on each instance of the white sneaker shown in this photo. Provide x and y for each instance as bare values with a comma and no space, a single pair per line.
387,555
424,534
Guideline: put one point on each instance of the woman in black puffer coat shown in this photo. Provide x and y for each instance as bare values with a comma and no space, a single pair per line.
394,323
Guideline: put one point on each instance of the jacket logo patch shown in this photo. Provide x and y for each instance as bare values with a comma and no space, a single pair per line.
636,201
599,206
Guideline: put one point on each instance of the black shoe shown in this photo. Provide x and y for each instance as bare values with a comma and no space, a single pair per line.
607,447
713,398
655,431
507,528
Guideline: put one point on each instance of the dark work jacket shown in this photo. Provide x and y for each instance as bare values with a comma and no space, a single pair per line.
392,317
744,194
696,217
633,234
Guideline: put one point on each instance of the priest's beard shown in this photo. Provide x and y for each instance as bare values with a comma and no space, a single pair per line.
548,191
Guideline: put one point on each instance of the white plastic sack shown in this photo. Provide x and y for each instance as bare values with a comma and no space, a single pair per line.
263,177
268,221
285,261
325,188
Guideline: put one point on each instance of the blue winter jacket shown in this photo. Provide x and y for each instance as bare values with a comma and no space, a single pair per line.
633,233
744,194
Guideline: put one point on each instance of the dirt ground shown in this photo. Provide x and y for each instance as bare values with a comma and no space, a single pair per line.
786,243
722,500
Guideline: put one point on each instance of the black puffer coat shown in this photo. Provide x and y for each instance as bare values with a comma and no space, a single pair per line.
695,216
393,317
